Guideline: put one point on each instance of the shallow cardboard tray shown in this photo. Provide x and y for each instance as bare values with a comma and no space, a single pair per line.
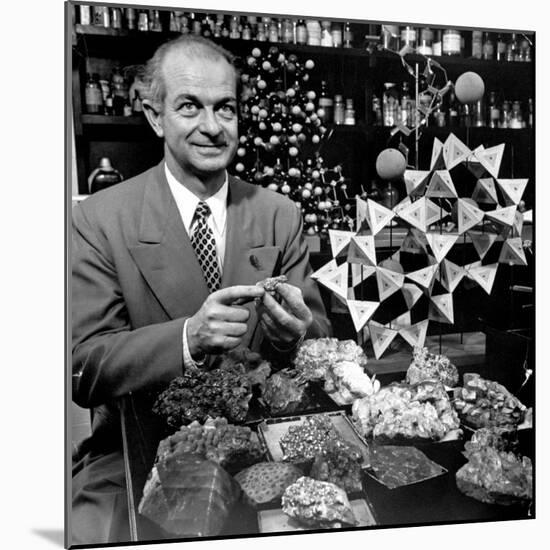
272,521
272,430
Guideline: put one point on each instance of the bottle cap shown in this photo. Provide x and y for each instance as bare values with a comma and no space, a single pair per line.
105,164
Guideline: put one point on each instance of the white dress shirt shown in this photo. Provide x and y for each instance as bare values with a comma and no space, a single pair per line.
187,203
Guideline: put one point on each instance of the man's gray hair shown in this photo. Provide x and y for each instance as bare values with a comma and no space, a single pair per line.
152,86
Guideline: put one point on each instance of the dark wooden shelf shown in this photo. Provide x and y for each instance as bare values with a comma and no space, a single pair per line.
109,120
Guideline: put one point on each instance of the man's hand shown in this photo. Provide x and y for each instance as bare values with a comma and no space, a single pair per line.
220,323
284,324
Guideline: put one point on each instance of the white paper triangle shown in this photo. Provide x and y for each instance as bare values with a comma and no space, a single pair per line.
402,204
518,222
424,277
512,252
361,312
388,281
485,191
339,241
467,215
411,293
378,216
454,151
491,158
415,214
360,273
325,270
415,181
482,241
412,245
444,305
441,243
451,275
361,214
362,250
381,337
513,189
404,320
337,281
484,276
441,186
415,335
504,216
434,213
437,161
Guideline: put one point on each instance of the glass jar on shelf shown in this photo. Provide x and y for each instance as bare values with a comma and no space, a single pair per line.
488,47
103,176
349,113
477,44
425,42
348,36
339,109
437,44
390,105
408,37
326,36
337,36
451,42
501,48
313,32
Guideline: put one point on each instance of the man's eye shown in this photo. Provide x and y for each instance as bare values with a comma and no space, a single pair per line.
228,110
188,107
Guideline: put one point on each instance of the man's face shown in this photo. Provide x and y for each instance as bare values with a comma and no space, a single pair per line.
199,117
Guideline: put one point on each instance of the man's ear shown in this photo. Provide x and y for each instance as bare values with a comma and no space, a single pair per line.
153,117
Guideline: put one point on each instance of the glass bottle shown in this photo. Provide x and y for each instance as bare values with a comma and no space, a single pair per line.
349,113
493,111
234,31
505,115
101,16
174,24
247,31
477,44
376,111
93,95
425,42
301,32
488,47
336,32
143,21
516,117
287,34
130,17
326,103
348,36
116,18
103,176
156,25
525,49
512,52
326,36
408,37
85,15
437,43
313,32
390,104
273,32
137,106
530,118
218,25
453,109
451,42
263,29
338,109
406,114
501,48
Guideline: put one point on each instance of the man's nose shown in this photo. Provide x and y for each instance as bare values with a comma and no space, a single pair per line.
209,123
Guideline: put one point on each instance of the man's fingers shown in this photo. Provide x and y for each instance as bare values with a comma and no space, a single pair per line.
234,314
242,293
293,298
224,329
278,314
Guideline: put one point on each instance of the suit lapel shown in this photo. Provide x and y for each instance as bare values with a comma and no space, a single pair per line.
164,254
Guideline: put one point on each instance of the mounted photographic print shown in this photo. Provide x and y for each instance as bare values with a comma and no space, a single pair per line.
302,286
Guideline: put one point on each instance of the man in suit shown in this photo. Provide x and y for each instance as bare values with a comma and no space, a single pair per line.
165,267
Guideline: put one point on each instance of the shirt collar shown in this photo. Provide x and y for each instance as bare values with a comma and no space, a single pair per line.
187,201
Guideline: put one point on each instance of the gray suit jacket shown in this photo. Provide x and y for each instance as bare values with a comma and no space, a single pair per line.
136,279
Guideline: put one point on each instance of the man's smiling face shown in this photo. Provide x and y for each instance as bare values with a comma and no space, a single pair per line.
199,113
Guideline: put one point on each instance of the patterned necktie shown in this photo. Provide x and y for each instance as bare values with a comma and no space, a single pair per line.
205,247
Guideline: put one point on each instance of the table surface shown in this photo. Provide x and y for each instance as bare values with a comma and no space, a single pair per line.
434,501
